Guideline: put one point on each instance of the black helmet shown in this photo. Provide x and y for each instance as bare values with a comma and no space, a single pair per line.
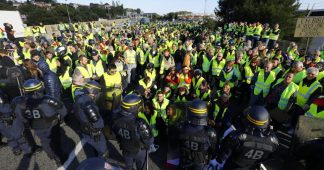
91,42
95,163
92,87
34,88
131,103
198,112
258,116
150,65
61,51
197,72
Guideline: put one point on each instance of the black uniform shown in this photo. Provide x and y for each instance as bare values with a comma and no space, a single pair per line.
134,137
91,123
246,148
197,145
41,115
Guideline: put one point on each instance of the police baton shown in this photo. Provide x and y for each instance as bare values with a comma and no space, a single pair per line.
15,73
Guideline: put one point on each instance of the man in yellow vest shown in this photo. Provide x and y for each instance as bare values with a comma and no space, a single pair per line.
130,57
217,66
262,82
82,74
42,30
160,104
273,36
283,94
112,82
97,66
256,34
309,90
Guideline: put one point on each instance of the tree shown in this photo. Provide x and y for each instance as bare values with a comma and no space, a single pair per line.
283,12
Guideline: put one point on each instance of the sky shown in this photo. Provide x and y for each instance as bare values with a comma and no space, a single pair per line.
165,6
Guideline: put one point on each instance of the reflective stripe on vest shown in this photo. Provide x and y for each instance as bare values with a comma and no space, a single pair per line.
305,92
197,85
217,67
131,56
262,85
273,36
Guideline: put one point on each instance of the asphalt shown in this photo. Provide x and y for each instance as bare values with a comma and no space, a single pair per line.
72,156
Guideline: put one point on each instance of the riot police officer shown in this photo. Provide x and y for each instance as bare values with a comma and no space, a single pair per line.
197,141
91,123
133,134
40,112
12,128
246,147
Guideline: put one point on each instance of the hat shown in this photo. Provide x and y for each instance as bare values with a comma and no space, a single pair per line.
94,52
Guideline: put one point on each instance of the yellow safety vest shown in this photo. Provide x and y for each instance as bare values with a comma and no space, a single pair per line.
42,29
52,64
204,96
228,77
151,75
182,81
161,109
66,79
286,94
86,72
28,32
131,56
248,73
264,85
98,68
217,67
299,77
313,112
273,36
197,84
216,111
110,82
305,92
155,59
206,63
145,86
152,122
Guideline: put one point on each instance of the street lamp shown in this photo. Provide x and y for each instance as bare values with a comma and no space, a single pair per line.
67,9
